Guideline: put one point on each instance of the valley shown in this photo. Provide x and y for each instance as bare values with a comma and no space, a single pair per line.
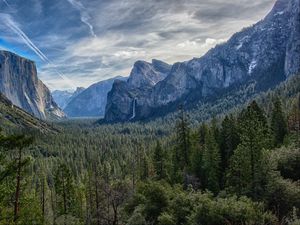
213,140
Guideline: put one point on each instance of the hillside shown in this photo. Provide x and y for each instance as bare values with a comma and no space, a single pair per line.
14,118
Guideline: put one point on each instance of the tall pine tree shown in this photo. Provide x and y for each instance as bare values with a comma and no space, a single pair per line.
229,140
181,157
211,162
246,173
159,162
278,123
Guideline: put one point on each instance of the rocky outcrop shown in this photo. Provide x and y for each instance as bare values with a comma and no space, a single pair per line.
20,84
90,102
267,53
125,96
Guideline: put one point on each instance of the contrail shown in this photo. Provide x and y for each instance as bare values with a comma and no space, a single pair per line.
15,28
84,16
6,3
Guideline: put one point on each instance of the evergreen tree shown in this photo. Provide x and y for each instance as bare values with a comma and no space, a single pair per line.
229,140
183,139
159,162
294,120
246,167
278,123
144,170
197,156
211,162
65,190
181,157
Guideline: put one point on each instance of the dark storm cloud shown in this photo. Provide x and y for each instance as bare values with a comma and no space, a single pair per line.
89,40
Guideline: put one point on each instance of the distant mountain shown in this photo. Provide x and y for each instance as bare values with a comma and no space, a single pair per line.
62,98
266,53
13,117
90,102
20,84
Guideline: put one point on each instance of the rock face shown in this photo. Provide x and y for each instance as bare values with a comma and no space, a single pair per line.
91,101
124,96
20,84
62,98
267,52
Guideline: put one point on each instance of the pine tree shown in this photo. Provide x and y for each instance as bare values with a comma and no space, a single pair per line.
183,139
18,143
144,167
246,165
183,146
278,123
229,140
197,157
211,162
159,162
294,120
64,189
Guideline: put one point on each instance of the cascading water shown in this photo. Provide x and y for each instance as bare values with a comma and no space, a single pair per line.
133,109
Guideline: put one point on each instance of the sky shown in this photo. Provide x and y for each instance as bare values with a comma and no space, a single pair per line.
76,43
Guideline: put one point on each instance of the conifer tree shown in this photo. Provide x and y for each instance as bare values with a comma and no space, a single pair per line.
197,157
159,162
246,166
211,162
294,120
278,123
183,146
64,189
183,138
229,140
18,143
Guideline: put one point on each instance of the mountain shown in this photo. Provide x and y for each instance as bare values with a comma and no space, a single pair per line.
91,101
121,100
20,84
62,98
267,53
13,117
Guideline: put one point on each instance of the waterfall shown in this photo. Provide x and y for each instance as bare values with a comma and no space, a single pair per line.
133,109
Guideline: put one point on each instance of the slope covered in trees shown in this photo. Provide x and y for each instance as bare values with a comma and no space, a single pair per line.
239,167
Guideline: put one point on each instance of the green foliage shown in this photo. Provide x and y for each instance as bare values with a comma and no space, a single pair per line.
183,147
248,167
230,210
211,162
159,162
229,140
65,191
159,203
278,123
120,174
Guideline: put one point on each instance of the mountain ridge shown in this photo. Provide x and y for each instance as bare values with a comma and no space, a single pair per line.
267,52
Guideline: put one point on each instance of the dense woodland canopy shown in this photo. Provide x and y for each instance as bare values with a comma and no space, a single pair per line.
239,167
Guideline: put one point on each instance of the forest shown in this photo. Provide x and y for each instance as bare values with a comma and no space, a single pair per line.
203,167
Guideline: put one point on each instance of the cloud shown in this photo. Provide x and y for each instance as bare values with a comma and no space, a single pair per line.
84,16
10,23
127,30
